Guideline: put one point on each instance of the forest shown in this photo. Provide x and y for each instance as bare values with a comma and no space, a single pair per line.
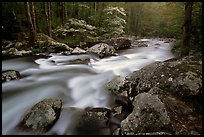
102,20
102,68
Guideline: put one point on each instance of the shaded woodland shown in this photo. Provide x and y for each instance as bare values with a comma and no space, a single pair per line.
102,20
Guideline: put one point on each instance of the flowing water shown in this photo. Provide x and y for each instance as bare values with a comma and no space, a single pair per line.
77,85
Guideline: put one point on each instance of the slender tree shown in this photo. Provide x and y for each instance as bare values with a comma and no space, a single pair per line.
30,14
65,11
49,19
47,11
186,28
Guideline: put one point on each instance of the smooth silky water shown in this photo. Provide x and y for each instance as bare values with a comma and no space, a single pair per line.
77,85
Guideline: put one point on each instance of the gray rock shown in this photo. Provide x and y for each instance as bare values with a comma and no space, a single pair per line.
117,85
190,82
149,115
41,117
80,61
118,43
180,76
78,50
94,121
102,50
10,75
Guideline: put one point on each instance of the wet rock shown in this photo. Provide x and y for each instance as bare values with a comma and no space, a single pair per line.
103,121
118,43
102,50
78,50
41,117
149,115
94,121
181,76
142,45
80,61
117,85
10,75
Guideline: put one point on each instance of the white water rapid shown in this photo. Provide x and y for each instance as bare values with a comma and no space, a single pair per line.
78,85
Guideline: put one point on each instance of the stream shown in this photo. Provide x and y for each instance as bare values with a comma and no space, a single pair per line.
77,85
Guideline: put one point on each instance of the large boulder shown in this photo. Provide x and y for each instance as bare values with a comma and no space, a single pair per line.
182,77
102,49
103,121
10,75
178,85
118,43
149,115
42,116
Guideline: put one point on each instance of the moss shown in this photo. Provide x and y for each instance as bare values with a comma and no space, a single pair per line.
176,50
37,50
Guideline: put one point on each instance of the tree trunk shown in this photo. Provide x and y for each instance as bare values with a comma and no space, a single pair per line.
29,16
61,12
51,13
49,19
65,12
95,6
186,28
33,16
46,13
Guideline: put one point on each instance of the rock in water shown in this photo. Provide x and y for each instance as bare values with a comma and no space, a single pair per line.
94,121
102,49
118,43
10,75
42,116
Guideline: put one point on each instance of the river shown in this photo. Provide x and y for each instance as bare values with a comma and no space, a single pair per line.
77,85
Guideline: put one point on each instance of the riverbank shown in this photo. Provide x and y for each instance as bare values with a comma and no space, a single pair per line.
149,92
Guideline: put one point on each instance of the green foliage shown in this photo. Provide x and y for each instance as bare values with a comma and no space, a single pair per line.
196,28
74,32
109,19
37,50
110,22
176,49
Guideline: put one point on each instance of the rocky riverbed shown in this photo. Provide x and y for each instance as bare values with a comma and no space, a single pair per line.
162,96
